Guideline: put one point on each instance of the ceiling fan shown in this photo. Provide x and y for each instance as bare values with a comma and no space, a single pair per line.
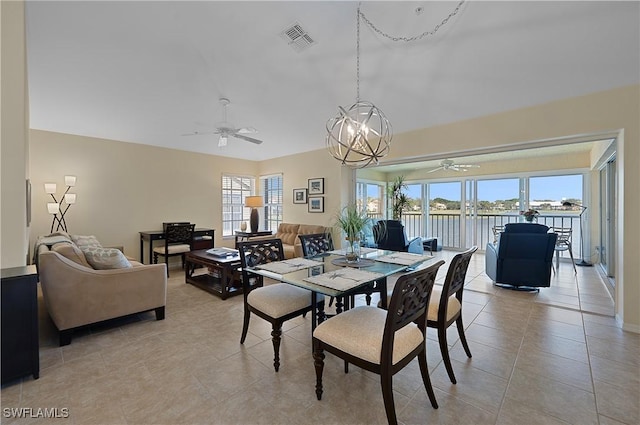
225,129
448,164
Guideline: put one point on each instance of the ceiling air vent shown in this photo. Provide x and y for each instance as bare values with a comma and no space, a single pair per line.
297,37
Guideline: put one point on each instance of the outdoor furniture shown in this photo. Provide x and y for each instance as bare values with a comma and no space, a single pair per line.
563,243
523,256
445,306
382,341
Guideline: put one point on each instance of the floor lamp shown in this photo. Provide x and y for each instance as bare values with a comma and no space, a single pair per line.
582,262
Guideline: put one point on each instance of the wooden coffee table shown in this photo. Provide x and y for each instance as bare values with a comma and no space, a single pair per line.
218,275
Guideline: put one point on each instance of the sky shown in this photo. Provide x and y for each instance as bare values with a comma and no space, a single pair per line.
555,188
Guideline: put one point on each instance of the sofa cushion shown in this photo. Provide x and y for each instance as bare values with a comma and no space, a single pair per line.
309,229
72,252
288,233
85,241
105,258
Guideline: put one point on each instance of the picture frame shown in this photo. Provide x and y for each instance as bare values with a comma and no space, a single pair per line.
299,196
316,186
316,204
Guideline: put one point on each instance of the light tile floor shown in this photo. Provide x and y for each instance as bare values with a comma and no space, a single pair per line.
553,357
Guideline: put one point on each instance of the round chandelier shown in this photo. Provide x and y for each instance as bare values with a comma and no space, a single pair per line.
360,134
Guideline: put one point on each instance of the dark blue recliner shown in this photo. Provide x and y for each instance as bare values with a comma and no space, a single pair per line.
523,256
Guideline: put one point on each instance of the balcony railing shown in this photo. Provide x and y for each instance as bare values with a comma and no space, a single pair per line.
447,227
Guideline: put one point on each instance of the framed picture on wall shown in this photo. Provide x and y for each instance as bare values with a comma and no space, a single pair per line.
316,186
299,196
316,204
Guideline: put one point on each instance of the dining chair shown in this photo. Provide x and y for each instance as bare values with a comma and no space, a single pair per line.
315,244
445,306
382,341
563,243
178,238
276,303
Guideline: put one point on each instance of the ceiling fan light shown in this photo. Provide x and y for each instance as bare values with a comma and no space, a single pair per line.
222,141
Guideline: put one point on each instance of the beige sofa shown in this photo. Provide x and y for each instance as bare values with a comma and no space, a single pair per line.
288,233
76,294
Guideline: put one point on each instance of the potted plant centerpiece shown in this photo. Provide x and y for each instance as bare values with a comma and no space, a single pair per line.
353,221
530,215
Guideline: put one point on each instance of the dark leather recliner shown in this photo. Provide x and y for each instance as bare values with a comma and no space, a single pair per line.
523,256
390,235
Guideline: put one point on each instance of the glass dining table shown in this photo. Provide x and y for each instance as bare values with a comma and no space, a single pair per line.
329,274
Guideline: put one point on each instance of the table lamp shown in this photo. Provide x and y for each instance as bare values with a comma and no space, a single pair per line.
253,202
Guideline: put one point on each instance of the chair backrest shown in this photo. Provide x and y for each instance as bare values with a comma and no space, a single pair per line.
166,223
179,233
454,282
257,252
525,228
409,303
564,235
525,258
316,243
389,234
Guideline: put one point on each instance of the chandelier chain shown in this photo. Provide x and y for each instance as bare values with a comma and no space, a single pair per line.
408,39
358,54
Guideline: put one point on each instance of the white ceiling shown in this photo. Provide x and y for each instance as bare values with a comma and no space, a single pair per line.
148,72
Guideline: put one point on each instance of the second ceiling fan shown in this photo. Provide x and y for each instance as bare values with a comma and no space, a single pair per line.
449,164
225,129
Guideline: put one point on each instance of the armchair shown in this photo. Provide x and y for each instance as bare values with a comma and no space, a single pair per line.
390,235
523,256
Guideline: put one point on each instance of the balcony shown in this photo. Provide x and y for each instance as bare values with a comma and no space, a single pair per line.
447,227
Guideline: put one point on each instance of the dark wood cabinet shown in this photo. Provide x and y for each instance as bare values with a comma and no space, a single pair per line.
20,354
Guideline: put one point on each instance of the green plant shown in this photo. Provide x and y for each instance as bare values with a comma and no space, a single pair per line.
353,221
399,200
530,214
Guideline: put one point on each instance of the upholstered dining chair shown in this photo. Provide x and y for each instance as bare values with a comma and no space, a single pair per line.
563,243
178,238
382,341
445,306
276,303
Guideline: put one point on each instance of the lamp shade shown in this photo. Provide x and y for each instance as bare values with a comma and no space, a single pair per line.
253,201
53,207
70,180
50,187
70,198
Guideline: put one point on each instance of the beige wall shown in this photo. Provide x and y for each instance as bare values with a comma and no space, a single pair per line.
123,188
14,136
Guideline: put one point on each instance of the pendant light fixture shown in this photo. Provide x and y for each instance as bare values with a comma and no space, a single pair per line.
360,134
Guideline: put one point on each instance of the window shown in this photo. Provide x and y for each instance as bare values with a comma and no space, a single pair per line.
234,190
272,195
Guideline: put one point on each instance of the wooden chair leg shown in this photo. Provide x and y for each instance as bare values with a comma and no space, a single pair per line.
444,350
318,362
245,325
387,395
426,380
276,334
463,338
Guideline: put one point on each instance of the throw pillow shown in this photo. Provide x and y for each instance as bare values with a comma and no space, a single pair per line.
85,241
105,258
72,252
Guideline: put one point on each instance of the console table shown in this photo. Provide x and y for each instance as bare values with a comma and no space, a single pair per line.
202,239
20,345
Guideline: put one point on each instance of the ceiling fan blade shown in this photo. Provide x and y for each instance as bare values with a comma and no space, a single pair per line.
248,139
246,130
199,133
435,169
467,166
